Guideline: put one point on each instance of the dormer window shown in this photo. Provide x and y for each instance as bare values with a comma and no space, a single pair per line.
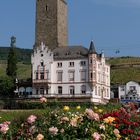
83,63
56,54
79,53
67,53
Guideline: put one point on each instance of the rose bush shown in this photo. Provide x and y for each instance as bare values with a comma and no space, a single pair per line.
65,124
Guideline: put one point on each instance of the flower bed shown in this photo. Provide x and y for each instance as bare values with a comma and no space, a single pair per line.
75,124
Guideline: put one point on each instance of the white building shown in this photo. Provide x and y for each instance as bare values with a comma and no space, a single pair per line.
130,91
70,72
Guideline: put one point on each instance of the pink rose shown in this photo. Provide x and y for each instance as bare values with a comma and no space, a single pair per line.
96,136
43,100
53,130
39,137
73,122
4,128
31,119
116,131
64,119
92,115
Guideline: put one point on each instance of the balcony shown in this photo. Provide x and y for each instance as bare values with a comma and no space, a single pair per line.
36,81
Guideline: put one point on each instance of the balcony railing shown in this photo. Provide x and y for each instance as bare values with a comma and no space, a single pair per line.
40,80
61,96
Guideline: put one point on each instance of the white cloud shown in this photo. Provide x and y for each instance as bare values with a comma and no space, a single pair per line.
130,3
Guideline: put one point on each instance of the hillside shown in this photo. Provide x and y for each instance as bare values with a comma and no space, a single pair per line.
123,69
23,55
23,70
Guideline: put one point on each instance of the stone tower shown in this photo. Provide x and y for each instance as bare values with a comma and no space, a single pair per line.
51,23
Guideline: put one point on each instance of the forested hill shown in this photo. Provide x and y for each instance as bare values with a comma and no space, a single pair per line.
23,55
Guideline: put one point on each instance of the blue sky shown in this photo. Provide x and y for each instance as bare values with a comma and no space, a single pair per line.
111,24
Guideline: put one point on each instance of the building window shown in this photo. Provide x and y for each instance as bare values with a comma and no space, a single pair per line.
59,76
42,91
99,91
59,64
71,75
47,74
83,89
37,92
132,88
59,90
91,75
42,63
42,75
83,75
107,93
94,75
95,90
90,60
99,77
71,90
71,64
83,63
36,75
122,88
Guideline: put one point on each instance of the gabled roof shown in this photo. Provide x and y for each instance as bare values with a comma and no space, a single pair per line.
73,52
92,48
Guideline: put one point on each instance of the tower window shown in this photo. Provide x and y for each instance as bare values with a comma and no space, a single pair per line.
91,75
46,7
90,60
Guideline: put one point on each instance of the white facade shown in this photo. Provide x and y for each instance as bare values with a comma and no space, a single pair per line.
70,72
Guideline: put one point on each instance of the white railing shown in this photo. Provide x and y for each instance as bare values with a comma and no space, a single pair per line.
61,96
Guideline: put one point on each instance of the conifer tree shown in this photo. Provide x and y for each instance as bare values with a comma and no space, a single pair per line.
12,59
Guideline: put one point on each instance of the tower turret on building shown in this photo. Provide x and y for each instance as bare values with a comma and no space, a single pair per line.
51,23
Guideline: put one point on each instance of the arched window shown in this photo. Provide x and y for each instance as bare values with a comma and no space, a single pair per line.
42,69
21,90
29,90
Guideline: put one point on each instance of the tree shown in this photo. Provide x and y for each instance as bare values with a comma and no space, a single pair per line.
6,86
12,60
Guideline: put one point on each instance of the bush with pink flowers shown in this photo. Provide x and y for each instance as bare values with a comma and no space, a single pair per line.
68,124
